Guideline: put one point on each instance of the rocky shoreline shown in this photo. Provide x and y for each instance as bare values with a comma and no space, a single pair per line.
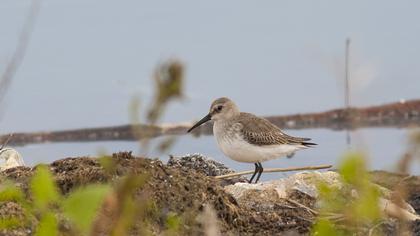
185,187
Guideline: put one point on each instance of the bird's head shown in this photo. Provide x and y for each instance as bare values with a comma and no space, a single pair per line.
221,109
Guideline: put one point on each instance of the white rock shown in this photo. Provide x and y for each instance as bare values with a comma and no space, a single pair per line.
11,159
306,182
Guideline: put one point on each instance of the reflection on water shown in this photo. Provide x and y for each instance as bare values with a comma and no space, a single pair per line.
383,146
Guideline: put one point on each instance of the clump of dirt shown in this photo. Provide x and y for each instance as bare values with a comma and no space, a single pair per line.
199,163
205,166
174,188
415,227
16,212
183,186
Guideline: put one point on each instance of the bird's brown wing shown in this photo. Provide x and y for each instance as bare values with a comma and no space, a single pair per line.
259,131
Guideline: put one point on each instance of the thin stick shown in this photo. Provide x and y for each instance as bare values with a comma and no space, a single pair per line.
20,50
371,230
274,170
7,141
347,75
347,86
302,206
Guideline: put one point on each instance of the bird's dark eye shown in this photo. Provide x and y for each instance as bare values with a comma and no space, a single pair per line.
219,108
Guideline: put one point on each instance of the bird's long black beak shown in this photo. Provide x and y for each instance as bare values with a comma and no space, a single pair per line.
200,122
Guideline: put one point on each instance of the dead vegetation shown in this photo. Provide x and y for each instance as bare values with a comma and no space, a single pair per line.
173,190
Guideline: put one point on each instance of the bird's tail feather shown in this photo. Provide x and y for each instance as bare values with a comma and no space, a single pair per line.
308,144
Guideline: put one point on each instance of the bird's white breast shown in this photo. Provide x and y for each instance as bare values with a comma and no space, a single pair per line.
232,144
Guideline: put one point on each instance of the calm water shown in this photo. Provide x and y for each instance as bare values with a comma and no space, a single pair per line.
382,146
88,59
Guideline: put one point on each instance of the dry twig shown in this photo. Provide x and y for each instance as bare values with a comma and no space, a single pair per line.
274,170
7,141
20,50
310,210
372,230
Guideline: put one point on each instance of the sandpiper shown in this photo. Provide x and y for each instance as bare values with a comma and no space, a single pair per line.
245,137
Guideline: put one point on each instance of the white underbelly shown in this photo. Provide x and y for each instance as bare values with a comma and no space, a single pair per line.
240,150
236,148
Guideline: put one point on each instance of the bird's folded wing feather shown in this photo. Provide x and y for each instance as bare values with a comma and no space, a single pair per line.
259,131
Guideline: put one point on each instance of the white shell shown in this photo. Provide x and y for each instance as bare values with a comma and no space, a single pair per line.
11,159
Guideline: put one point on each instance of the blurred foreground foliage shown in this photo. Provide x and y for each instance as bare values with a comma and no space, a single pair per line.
412,153
346,210
169,77
94,209
49,207
169,83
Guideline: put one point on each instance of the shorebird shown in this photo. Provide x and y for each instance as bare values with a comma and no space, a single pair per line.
245,137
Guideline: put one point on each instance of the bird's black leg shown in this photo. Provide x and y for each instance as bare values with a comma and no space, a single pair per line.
257,168
260,170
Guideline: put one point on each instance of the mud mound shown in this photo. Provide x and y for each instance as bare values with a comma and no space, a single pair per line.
205,166
200,163
183,186
174,188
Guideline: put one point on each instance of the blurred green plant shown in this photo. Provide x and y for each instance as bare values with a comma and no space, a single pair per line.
44,202
166,144
129,209
47,204
48,225
173,224
82,205
43,189
108,163
354,206
169,80
141,134
115,209
412,152
9,192
169,85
